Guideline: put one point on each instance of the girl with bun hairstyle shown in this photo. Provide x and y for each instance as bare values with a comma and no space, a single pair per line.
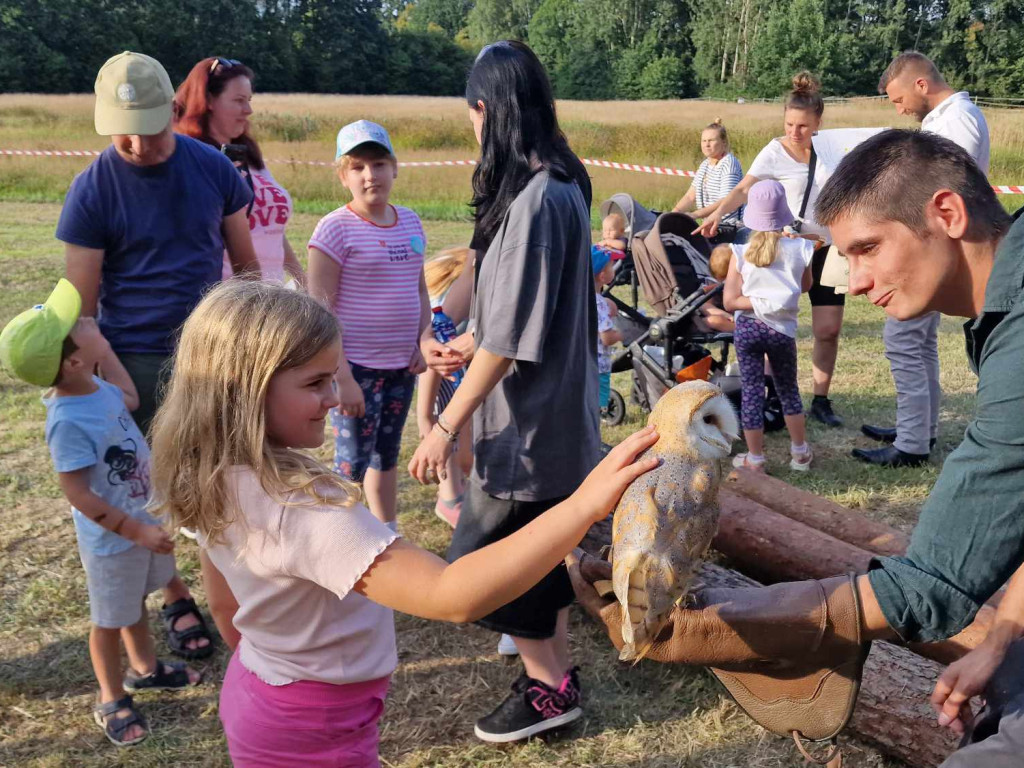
787,160
717,176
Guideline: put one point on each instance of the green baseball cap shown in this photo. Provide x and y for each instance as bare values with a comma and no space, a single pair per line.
31,344
133,96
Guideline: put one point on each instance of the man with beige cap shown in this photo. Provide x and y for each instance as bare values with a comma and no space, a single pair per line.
144,229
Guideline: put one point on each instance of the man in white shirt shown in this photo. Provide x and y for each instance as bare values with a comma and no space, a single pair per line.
915,87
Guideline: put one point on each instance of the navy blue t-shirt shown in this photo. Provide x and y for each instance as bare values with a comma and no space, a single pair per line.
160,229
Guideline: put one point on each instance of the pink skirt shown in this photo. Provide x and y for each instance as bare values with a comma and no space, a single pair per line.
305,723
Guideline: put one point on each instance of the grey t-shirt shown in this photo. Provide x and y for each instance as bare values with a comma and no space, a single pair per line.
536,435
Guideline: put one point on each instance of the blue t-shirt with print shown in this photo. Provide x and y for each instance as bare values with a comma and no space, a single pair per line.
160,230
97,431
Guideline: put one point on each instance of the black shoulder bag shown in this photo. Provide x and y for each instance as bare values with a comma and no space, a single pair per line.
811,165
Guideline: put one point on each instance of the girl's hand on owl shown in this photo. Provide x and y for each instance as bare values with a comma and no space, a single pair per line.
601,491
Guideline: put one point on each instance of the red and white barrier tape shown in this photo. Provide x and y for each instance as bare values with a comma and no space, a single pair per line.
1002,189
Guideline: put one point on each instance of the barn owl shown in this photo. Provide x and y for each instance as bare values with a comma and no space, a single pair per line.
666,519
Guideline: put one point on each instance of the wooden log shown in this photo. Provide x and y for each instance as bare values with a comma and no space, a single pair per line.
824,515
893,713
827,516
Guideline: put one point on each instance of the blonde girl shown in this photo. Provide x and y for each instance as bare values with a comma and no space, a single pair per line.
763,288
292,560
435,391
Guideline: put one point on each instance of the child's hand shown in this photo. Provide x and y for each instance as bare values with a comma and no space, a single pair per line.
154,538
351,395
416,363
613,309
601,491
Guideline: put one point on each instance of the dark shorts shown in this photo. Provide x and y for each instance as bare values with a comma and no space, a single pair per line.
820,295
484,520
373,441
150,374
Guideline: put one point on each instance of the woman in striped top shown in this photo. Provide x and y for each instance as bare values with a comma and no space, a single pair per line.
718,174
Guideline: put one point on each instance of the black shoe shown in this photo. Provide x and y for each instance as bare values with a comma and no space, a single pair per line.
886,434
821,409
881,434
532,708
890,456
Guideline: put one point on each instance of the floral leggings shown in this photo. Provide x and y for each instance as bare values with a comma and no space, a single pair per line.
753,340
374,440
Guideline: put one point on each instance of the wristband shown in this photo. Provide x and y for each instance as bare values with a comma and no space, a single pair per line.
449,436
446,426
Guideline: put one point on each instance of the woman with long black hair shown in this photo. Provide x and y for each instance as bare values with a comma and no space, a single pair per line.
531,386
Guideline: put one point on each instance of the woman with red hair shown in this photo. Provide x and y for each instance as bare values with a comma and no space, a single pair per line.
213,105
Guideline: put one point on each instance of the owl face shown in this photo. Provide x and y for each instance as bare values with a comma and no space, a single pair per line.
703,416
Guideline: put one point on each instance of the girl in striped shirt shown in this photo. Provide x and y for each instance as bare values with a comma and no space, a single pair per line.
366,266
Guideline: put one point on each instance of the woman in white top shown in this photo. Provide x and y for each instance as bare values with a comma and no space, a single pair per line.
787,160
213,105
716,177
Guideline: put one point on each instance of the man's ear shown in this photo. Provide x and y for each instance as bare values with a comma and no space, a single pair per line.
949,212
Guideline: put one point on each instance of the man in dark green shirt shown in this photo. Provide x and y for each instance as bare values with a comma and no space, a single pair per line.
923,231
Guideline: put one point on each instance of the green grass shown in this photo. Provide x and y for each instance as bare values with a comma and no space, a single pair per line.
648,716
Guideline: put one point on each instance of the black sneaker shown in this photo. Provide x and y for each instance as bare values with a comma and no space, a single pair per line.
533,707
821,409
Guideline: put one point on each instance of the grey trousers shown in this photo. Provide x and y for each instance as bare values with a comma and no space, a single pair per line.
912,348
1003,749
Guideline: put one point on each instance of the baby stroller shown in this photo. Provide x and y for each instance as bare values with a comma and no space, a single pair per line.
669,266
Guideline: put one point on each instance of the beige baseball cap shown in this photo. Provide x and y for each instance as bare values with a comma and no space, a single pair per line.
133,96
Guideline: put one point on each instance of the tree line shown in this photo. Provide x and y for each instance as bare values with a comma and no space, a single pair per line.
593,49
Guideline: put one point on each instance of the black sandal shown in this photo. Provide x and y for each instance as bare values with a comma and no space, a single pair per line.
115,727
177,639
171,676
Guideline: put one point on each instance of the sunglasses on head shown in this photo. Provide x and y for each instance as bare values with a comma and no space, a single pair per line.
222,62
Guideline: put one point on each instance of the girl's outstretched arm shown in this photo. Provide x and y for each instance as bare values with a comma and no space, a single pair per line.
412,580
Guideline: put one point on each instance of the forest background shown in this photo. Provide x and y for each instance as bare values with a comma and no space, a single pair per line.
594,49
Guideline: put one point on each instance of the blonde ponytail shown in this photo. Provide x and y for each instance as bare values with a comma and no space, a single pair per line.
762,249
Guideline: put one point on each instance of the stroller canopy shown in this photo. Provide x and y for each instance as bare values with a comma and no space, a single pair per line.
668,258
638,219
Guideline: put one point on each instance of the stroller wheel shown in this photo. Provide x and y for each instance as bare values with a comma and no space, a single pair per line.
615,413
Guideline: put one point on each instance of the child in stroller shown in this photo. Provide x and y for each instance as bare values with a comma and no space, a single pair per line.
672,269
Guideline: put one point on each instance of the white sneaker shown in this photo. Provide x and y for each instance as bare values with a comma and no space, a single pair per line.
507,646
801,462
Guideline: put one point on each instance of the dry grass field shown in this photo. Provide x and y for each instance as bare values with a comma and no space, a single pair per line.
301,128
648,716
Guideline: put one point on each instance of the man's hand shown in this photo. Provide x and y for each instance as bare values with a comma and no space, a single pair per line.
963,680
585,569
153,538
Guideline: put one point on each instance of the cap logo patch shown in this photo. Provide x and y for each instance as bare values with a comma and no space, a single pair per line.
126,92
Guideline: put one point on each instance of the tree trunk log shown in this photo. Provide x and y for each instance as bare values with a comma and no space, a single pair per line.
827,516
824,515
893,713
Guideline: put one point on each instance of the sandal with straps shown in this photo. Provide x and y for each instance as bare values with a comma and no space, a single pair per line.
166,677
114,728
177,639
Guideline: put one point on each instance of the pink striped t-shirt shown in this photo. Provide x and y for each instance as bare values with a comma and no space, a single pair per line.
377,300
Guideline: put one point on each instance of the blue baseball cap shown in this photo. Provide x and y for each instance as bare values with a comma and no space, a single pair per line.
362,132
601,255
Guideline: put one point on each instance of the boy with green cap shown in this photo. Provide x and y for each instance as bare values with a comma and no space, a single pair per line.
102,461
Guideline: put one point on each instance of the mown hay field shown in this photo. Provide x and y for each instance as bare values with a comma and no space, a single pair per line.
648,716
